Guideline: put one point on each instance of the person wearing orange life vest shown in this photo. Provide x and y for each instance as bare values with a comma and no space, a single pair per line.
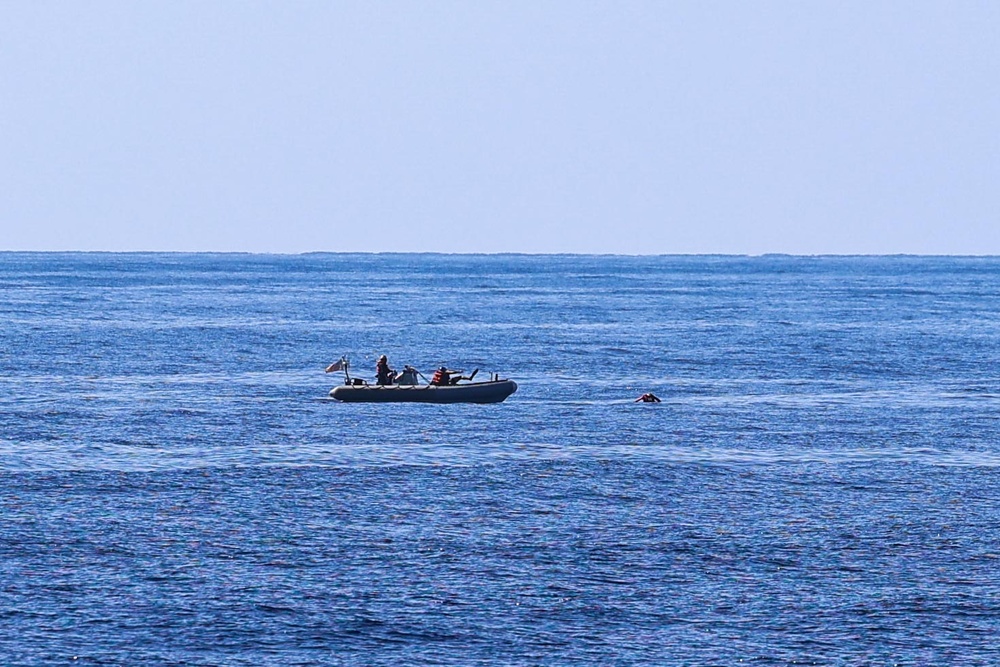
442,377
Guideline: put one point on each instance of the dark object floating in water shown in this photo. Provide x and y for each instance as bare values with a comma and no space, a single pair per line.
493,391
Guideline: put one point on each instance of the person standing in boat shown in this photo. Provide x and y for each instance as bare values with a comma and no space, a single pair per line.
384,374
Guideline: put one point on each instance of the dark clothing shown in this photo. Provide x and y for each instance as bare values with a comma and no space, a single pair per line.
383,374
441,378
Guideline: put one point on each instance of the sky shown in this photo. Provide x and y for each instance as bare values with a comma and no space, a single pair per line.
803,127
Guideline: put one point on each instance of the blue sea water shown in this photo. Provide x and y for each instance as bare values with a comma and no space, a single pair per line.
819,486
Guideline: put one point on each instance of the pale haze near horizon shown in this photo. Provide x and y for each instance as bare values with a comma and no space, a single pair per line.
577,127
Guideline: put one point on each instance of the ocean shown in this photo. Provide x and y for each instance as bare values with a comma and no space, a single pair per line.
820,484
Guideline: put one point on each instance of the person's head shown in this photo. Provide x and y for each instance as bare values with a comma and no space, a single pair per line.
443,369
383,358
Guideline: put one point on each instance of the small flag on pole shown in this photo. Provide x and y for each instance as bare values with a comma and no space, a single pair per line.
336,366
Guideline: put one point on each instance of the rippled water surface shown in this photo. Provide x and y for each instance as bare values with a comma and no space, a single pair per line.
820,485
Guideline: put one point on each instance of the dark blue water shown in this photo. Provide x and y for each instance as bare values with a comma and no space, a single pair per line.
820,485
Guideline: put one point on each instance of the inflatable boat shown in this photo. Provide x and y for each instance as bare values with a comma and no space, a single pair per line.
492,391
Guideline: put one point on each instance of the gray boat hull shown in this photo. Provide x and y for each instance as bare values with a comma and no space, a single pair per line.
474,392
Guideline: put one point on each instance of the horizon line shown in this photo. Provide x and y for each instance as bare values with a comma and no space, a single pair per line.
492,254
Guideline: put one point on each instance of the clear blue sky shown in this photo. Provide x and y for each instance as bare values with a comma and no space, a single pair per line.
620,127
